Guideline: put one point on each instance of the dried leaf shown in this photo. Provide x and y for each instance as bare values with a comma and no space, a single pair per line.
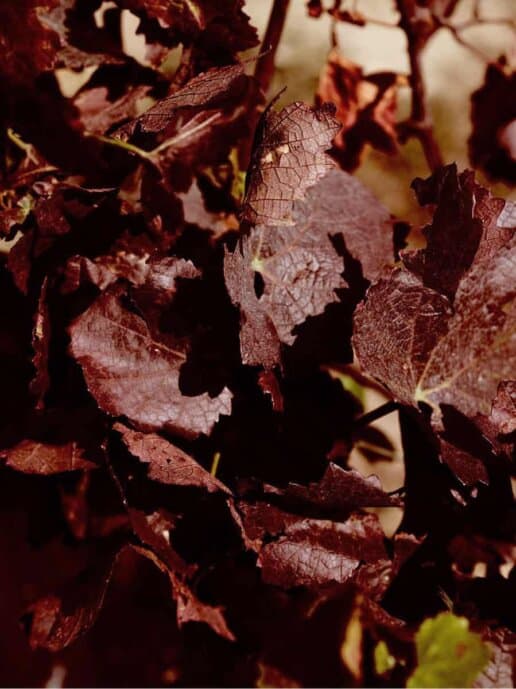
366,108
492,144
431,349
314,552
290,157
132,373
338,492
167,463
59,620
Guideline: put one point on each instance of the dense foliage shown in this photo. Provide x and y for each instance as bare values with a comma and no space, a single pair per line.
188,273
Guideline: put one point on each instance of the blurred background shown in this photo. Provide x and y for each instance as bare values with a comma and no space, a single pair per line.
451,72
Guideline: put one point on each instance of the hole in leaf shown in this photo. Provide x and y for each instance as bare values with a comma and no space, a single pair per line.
259,284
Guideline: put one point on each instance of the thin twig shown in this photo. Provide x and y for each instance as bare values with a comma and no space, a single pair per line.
34,173
420,123
481,21
28,149
376,414
265,64
465,44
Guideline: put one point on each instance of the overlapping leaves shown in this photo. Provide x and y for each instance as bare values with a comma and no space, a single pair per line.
158,492
448,325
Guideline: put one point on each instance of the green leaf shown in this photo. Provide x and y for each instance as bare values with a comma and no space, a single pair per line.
449,655
383,660
349,383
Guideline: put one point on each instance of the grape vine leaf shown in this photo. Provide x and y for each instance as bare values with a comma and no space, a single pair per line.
57,620
290,156
168,463
287,268
217,29
338,492
132,371
440,351
52,441
493,115
366,108
448,653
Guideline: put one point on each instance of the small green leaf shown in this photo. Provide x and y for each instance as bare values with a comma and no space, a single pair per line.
349,383
449,655
351,649
383,660
239,176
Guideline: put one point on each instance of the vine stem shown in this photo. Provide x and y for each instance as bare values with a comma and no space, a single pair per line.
376,414
420,123
265,64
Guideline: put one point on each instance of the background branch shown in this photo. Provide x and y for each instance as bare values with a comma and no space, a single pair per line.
265,65
420,124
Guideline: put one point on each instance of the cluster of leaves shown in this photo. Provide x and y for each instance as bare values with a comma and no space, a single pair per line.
177,504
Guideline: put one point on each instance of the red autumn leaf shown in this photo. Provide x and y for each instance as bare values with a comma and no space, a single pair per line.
435,350
339,491
132,373
492,144
55,441
167,463
365,107
222,26
289,159
294,196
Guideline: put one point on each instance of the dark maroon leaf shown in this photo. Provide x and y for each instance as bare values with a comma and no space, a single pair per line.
500,670
290,157
464,228
366,108
132,373
477,352
168,463
260,519
340,491
314,552
33,457
221,26
298,264
412,319
40,344
208,92
189,607
468,468
99,113
55,441
58,620
503,413
430,350
492,144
